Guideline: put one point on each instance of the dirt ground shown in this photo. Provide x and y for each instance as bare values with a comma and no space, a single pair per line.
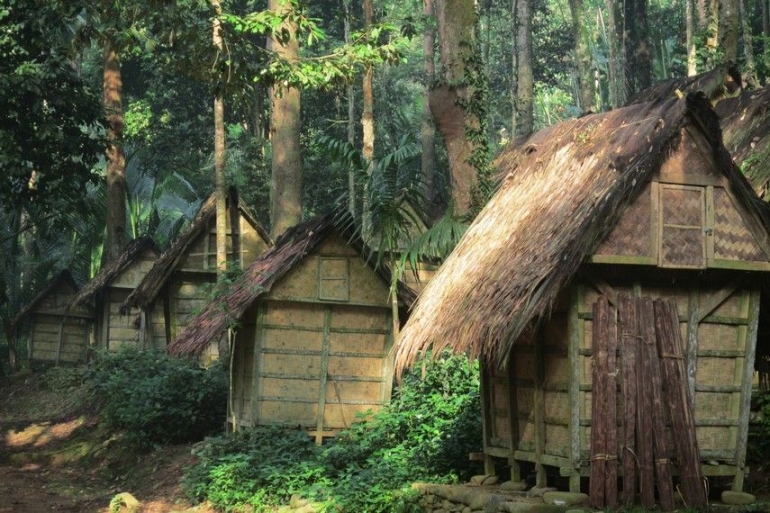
54,457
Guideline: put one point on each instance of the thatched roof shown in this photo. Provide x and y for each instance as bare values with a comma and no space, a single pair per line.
565,189
63,277
107,273
720,82
161,271
290,248
745,122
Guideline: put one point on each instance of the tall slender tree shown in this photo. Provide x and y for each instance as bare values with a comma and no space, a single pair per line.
428,130
286,185
583,54
525,106
452,95
220,182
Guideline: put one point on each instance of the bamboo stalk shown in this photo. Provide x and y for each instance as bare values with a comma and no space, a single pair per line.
683,423
630,341
599,403
643,417
659,434
611,390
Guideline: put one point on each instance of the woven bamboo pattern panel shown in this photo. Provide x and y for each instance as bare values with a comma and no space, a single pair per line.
682,240
732,239
631,235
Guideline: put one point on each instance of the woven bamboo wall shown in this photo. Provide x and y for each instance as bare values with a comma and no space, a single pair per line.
44,337
716,317
202,253
686,218
314,362
45,325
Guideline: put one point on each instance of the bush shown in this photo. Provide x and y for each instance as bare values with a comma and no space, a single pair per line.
156,399
758,450
425,434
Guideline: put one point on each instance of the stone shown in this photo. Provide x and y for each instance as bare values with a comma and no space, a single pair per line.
538,492
514,486
297,502
565,498
490,480
126,499
479,480
737,498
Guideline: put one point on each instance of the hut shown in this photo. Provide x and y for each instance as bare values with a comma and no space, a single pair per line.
107,291
644,202
53,334
181,281
314,331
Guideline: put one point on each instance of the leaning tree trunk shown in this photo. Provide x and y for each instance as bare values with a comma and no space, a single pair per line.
583,53
286,190
638,64
750,76
428,131
729,30
689,17
525,106
367,123
219,147
116,159
616,44
456,20
351,116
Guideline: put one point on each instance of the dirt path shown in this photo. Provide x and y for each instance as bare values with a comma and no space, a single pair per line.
54,457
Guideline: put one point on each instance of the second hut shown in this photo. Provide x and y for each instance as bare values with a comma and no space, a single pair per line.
314,324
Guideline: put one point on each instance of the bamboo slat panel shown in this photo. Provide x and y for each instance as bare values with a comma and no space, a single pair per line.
682,241
732,238
631,235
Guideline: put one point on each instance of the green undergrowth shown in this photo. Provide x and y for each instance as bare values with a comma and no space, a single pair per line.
156,400
425,434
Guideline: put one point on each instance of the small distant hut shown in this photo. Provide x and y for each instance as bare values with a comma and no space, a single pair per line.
314,324
640,202
53,334
181,281
107,291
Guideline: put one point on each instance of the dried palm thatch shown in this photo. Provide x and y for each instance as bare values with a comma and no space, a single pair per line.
107,273
745,122
63,278
565,189
290,248
152,284
721,82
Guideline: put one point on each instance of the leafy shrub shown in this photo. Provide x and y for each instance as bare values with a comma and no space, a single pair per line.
758,450
157,399
261,466
425,434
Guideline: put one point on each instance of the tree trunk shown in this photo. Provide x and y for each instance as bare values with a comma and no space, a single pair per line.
750,76
428,131
286,190
616,44
525,106
514,65
583,54
712,32
116,159
638,67
456,21
351,116
219,148
689,16
367,123
729,30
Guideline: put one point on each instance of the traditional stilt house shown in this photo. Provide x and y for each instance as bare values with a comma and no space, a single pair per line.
180,283
53,334
107,291
610,211
313,331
